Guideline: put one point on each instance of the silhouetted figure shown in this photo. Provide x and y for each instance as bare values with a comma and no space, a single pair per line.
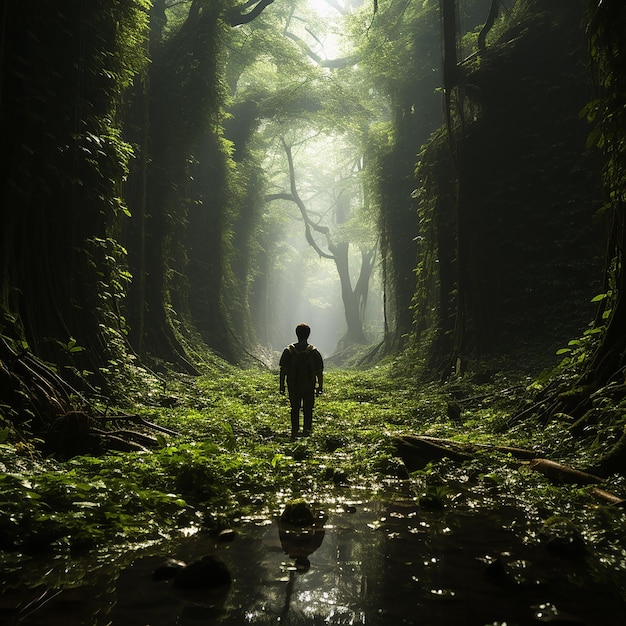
300,543
301,365
301,532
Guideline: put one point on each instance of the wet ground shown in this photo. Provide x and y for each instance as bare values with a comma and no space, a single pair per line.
374,562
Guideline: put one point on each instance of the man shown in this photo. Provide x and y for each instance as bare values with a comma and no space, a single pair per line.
302,366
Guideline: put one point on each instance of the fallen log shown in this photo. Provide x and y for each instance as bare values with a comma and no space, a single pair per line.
129,435
609,497
560,474
518,453
417,452
123,445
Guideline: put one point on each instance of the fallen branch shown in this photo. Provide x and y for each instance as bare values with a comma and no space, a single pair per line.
518,453
137,419
418,450
559,473
130,435
611,498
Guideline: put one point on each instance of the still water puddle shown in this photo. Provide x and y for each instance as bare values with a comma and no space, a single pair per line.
373,562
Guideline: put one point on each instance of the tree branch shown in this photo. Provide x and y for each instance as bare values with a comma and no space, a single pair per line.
330,63
491,18
235,17
279,196
309,224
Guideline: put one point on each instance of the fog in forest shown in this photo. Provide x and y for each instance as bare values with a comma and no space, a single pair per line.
305,286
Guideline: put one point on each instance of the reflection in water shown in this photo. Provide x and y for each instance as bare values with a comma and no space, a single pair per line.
300,542
384,564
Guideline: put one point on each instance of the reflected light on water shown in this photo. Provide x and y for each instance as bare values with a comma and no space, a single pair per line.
376,565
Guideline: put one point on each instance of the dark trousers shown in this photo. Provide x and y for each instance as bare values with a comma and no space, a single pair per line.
304,400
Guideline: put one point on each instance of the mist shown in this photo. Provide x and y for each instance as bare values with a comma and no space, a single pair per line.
305,286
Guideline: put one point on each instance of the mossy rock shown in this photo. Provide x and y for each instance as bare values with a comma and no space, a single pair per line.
298,513
205,573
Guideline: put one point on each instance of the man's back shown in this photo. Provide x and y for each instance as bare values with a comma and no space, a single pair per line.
302,361
301,367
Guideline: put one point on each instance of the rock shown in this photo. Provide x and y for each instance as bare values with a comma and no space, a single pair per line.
339,477
431,501
168,402
297,513
453,411
205,573
168,569
226,535
497,572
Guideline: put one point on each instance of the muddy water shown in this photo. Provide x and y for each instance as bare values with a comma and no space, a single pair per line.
375,562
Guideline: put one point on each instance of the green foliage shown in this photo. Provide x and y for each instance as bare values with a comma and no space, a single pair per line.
235,461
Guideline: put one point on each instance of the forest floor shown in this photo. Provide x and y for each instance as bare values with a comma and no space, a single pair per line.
234,464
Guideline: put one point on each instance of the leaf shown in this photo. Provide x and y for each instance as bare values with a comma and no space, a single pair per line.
86,505
593,331
563,351
599,297
72,346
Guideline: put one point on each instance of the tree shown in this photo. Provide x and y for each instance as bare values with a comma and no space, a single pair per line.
66,72
463,217
606,28
354,298
283,86
184,194
400,57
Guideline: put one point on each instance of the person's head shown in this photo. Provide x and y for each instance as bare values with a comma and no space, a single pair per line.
303,331
302,564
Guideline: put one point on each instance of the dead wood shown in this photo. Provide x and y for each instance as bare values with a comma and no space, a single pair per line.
609,497
518,453
30,386
417,452
123,445
560,474
137,419
130,435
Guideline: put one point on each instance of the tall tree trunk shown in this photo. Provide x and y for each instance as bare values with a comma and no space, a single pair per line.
349,296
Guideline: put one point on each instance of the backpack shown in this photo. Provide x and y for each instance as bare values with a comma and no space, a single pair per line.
301,375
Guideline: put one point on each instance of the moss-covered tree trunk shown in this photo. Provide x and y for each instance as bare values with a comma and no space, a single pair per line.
65,70
515,231
608,47
179,246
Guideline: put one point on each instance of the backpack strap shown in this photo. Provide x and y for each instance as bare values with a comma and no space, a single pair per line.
293,350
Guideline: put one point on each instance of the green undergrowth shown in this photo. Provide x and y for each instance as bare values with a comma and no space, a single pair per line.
233,461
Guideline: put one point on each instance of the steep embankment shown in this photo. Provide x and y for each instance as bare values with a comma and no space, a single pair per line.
523,223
